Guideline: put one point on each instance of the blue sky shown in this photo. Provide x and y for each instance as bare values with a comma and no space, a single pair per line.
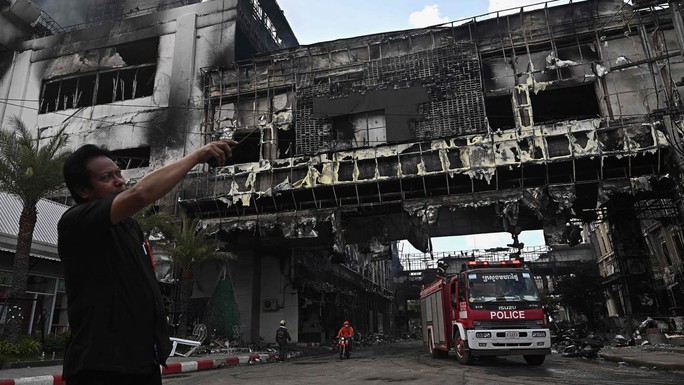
315,21
477,241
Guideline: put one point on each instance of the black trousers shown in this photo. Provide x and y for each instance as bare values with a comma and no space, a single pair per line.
96,377
282,351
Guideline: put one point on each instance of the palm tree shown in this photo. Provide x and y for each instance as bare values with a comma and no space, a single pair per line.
153,222
31,172
190,246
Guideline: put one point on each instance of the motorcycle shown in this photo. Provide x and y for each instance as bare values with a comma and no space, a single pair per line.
343,347
587,347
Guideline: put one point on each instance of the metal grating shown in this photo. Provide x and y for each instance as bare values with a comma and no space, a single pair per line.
450,74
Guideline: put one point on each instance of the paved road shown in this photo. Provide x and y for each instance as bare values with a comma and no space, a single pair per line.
408,362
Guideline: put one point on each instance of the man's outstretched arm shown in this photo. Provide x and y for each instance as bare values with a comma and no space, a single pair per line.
159,182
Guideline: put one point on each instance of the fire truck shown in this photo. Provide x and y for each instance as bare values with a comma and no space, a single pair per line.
487,309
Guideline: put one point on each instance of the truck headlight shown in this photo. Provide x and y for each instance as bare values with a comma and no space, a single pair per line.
539,334
483,334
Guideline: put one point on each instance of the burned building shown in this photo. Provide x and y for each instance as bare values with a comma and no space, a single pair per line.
508,122
502,122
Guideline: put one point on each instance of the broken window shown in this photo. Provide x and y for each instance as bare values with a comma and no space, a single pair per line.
139,52
74,92
134,80
360,130
106,91
286,143
577,102
132,157
248,150
499,112
677,237
666,253
99,88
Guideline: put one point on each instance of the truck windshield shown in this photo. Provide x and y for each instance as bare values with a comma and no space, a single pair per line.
498,286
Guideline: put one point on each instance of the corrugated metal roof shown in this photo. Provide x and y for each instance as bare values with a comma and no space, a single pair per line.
49,213
49,258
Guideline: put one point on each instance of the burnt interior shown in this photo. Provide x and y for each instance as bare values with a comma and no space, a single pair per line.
132,157
248,148
135,80
575,102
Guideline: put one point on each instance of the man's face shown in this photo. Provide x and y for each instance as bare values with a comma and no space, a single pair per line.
105,179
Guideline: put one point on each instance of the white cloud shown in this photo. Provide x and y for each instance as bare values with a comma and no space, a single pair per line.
498,5
427,17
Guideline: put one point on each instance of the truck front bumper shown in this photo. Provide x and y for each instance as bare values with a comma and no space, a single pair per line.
509,341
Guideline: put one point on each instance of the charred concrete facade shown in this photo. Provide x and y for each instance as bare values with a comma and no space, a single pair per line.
132,83
509,122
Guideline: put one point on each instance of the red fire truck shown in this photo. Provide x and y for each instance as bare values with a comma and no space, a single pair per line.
488,309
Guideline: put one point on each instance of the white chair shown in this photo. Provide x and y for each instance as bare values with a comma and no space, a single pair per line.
199,333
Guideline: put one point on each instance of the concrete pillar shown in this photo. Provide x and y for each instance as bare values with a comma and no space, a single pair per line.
182,79
632,255
256,296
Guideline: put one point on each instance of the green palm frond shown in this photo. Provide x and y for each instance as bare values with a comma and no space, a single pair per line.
27,168
31,170
193,245
152,222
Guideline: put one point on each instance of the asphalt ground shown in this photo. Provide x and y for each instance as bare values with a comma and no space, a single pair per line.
49,372
659,357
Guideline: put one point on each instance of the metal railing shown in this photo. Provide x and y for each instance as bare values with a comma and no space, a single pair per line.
422,261
48,21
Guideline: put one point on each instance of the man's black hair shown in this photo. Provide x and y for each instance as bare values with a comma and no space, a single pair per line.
76,174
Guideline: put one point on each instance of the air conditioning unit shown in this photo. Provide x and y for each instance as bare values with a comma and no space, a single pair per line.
270,304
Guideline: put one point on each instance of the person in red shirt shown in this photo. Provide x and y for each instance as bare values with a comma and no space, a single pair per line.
348,332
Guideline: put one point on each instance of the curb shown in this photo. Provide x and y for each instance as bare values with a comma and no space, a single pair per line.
55,379
171,368
638,362
194,366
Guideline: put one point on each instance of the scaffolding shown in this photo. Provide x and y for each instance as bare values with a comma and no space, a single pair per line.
411,262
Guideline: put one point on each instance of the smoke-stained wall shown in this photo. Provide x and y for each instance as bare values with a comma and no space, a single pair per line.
128,84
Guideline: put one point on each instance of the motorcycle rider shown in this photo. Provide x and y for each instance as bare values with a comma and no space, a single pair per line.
348,332
282,338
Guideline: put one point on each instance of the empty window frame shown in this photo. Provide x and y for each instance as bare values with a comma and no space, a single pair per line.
249,149
679,245
577,102
99,88
132,157
286,143
499,112
366,129
666,253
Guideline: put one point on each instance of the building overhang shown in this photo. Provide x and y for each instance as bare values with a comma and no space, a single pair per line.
508,181
564,156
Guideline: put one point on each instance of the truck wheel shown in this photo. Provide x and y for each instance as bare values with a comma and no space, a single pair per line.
536,359
462,353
